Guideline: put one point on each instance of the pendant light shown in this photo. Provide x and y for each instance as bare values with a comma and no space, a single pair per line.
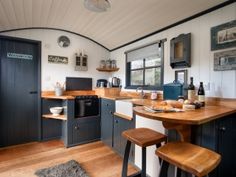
97,5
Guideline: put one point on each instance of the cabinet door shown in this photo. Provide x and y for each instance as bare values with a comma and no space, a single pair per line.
227,146
119,143
86,130
107,110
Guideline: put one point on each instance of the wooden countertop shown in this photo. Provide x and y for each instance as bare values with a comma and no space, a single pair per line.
68,95
63,97
194,117
115,97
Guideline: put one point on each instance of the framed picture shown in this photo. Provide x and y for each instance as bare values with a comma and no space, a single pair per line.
181,76
223,36
57,59
225,60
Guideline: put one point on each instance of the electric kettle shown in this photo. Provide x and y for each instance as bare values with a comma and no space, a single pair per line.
115,82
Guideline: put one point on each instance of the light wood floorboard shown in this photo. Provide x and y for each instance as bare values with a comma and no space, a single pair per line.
96,158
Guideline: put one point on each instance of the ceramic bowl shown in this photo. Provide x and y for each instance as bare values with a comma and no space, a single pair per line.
56,110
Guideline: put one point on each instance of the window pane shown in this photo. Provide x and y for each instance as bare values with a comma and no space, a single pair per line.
152,61
153,76
136,64
136,77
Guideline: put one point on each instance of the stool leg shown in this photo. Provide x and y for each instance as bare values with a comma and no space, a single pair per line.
164,169
143,173
126,159
178,172
157,146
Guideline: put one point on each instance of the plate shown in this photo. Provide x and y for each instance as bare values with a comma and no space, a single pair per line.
156,110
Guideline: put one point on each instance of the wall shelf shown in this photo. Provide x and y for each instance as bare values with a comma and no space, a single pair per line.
108,69
51,116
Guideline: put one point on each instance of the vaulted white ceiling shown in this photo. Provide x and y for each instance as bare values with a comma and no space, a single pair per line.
127,20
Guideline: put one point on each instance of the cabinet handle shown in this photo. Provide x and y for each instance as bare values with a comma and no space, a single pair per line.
107,104
76,128
33,92
117,121
222,129
111,112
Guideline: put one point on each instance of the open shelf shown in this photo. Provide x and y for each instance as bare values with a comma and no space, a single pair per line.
108,69
50,116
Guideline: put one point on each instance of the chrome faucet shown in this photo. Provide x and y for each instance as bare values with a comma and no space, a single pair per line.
142,94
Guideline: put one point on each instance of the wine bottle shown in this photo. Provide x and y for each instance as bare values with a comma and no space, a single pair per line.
191,91
201,94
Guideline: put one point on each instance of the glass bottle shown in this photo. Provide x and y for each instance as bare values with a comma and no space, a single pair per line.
191,91
201,94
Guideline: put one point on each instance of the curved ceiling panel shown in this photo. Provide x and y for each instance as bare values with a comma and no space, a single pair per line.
127,20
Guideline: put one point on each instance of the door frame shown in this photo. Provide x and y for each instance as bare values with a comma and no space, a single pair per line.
39,44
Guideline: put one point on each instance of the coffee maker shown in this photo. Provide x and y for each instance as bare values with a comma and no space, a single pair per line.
101,83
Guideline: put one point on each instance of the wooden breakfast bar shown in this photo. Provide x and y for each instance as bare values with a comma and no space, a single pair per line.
212,127
182,121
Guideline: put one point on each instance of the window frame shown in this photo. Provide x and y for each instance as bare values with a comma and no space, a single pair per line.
128,69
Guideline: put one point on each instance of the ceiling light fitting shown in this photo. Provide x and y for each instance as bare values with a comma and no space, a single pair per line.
97,5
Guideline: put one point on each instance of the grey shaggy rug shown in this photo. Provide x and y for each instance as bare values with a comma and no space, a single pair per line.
68,169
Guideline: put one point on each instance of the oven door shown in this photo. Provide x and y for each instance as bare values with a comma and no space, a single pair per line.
86,107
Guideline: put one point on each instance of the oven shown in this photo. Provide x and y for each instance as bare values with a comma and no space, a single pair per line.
86,106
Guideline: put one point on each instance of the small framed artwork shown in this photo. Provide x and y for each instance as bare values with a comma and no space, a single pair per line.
225,60
181,76
223,36
57,59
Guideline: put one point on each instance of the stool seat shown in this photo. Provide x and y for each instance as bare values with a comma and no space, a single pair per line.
144,136
191,158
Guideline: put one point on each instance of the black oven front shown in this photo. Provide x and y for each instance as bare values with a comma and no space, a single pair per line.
86,106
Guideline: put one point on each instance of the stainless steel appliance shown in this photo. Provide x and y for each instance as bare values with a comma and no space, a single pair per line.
101,83
86,106
115,82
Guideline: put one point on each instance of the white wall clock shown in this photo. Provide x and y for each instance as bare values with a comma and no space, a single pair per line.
63,41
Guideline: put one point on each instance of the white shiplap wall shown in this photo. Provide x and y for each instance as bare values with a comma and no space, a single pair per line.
52,73
222,83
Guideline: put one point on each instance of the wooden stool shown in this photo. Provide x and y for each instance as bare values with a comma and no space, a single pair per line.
188,157
143,137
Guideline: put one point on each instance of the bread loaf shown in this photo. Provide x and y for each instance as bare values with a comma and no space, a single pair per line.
175,104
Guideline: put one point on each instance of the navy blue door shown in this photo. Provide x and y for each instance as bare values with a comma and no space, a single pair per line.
19,91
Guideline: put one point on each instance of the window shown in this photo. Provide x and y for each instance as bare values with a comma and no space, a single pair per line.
144,67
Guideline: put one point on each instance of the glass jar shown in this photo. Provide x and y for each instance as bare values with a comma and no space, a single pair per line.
102,64
113,63
108,63
153,95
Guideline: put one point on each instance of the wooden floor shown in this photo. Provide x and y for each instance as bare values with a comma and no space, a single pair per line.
23,160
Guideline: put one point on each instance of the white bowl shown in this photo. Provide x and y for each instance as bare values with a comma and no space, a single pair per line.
56,110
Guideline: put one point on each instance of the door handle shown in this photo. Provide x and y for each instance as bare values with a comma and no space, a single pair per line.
33,92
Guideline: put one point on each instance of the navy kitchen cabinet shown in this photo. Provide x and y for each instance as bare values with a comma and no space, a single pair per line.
220,136
107,110
72,131
227,146
119,142
85,130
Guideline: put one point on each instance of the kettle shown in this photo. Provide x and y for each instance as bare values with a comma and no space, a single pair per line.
115,82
